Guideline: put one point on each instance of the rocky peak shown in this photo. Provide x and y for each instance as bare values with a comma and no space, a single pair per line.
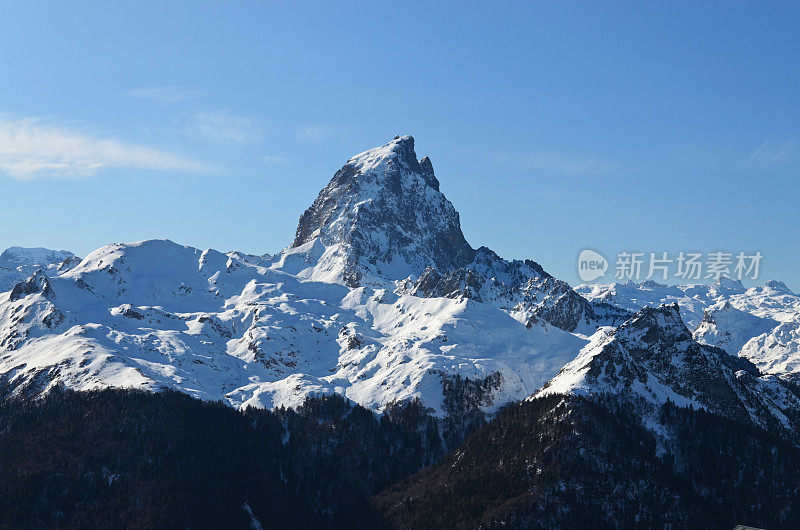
656,321
384,211
382,219
38,283
779,287
426,168
652,359
728,285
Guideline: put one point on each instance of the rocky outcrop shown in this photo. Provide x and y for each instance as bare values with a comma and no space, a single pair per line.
384,208
38,283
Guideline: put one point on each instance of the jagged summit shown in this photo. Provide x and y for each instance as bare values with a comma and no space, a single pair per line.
382,221
38,283
382,216
779,287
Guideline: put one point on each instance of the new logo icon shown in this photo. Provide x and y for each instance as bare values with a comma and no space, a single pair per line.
591,265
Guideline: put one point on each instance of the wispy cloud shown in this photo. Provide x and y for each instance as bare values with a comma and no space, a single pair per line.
30,149
569,164
165,94
312,133
773,153
274,160
226,128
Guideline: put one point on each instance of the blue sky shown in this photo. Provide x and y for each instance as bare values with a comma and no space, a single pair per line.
552,126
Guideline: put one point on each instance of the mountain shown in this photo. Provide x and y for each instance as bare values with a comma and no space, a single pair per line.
159,315
14,257
383,222
382,372
729,328
575,462
693,298
381,217
773,346
772,300
646,428
652,359
761,323
379,299
17,263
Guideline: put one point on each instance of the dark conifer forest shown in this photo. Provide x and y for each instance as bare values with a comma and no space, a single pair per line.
130,459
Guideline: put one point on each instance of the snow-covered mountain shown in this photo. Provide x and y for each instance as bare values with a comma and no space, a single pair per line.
729,328
379,298
14,257
772,345
383,222
156,314
653,358
693,298
771,300
761,324
17,264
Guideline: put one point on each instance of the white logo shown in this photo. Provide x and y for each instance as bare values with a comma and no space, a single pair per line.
591,265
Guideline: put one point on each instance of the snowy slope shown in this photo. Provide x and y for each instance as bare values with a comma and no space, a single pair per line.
771,300
653,358
776,351
729,328
155,314
761,324
771,345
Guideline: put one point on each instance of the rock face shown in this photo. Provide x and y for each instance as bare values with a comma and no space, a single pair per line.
384,216
521,288
383,222
653,358
38,283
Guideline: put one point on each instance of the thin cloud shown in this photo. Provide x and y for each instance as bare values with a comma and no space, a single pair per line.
165,94
312,133
774,153
273,160
226,128
31,149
